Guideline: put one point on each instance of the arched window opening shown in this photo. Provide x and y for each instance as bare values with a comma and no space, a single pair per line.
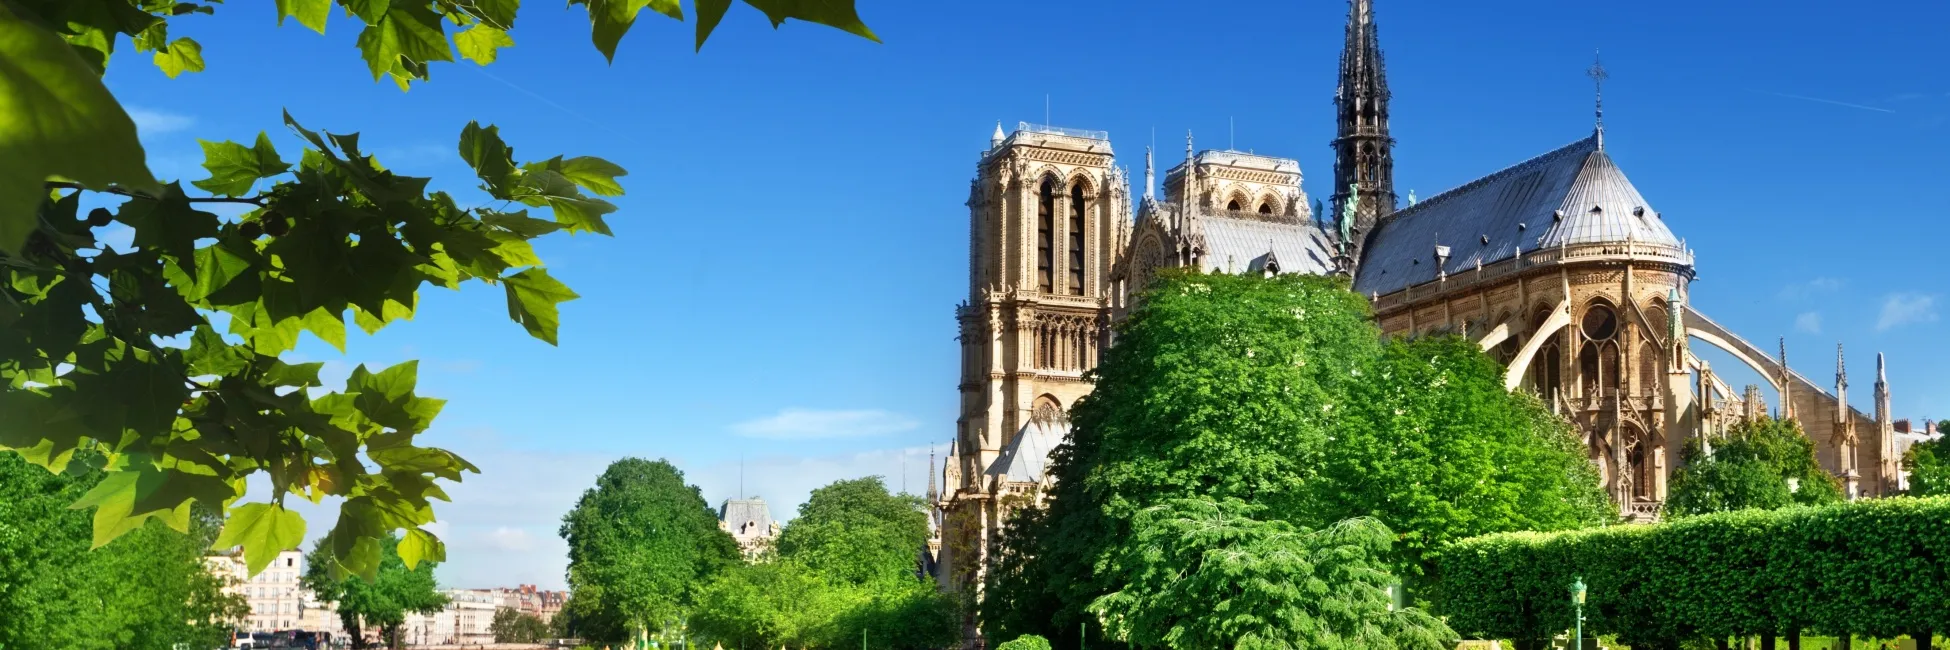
1076,240
1600,322
1638,461
1045,232
1265,208
1650,375
1233,205
1046,409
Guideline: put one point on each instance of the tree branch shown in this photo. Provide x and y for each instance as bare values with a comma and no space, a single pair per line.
253,200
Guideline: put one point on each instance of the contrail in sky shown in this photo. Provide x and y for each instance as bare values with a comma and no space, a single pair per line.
551,103
1827,101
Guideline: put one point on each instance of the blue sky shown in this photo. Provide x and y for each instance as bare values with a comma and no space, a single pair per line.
786,261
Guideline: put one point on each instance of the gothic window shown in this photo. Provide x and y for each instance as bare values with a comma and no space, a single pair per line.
1638,463
1076,240
1547,368
1265,208
1598,360
1233,205
1045,230
1046,409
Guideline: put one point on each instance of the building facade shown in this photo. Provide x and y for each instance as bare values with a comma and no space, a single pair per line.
750,522
1557,266
275,599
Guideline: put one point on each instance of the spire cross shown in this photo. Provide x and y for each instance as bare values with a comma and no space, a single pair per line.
1598,76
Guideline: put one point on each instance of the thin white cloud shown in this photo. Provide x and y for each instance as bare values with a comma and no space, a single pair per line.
1906,308
510,539
155,122
1809,322
808,424
1811,288
1829,101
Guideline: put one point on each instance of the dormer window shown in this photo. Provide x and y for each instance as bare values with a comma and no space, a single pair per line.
1265,209
1233,205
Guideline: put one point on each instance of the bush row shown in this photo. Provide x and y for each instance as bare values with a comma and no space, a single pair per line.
1876,568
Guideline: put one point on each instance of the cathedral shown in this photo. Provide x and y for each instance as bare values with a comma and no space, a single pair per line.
1557,266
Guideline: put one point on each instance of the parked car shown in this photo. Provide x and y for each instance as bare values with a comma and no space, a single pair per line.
241,640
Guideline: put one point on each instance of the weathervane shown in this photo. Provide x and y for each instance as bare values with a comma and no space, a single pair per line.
1598,77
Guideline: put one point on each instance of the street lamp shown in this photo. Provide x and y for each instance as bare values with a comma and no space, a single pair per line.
1577,599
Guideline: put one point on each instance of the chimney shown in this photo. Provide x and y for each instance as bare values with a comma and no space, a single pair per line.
1902,426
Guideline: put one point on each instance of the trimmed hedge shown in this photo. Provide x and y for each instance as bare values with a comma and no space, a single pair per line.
1878,568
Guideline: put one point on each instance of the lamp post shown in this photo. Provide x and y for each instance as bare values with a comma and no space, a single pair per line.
1577,599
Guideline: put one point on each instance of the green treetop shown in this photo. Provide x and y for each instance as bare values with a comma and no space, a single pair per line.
641,545
379,603
1761,463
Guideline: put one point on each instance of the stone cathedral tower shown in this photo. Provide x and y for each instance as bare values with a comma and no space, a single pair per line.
1364,158
1047,214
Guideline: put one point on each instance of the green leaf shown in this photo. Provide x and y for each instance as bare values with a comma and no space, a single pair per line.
182,55
481,42
594,174
421,545
264,530
498,13
532,299
709,13
328,325
609,20
402,41
209,354
216,266
310,13
838,14
520,223
56,120
112,499
370,11
492,159
235,169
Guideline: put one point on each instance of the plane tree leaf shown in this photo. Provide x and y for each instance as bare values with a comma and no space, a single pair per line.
263,530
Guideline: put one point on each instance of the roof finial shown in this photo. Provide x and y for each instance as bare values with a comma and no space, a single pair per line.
1598,77
996,140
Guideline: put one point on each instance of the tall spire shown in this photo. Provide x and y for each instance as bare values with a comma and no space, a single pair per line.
1363,151
1598,77
1150,180
1191,169
1841,385
933,494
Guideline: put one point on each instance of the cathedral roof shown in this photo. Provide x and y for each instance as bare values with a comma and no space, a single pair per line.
1026,460
1235,245
1574,195
735,513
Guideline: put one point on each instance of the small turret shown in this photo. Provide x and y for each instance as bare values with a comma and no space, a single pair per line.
1150,178
996,140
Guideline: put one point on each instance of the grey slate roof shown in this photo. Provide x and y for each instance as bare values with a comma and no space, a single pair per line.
1026,460
735,513
1518,206
1236,245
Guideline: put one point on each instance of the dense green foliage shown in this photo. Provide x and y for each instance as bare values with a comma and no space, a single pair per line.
1928,464
1874,568
148,590
511,626
1279,392
1434,447
1025,642
1204,574
118,350
378,603
1761,463
641,546
844,575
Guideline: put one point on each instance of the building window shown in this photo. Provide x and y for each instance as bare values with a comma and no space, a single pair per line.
1265,208
1076,240
1232,206
1045,227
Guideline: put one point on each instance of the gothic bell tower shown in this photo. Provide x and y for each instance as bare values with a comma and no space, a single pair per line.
1048,213
1364,161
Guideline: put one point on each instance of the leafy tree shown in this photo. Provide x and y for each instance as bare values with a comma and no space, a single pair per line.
512,626
844,574
1205,574
1278,392
148,590
1752,466
1928,464
855,531
641,545
117,350
379,603
1025,642
768,605
1435,448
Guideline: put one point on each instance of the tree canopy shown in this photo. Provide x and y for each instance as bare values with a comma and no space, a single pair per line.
1928,464
1760,463
513,626
378,603
148,590
1203,574
123,351
1280,392
845,574
641,546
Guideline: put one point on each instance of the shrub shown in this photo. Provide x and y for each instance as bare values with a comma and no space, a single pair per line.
1025,642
